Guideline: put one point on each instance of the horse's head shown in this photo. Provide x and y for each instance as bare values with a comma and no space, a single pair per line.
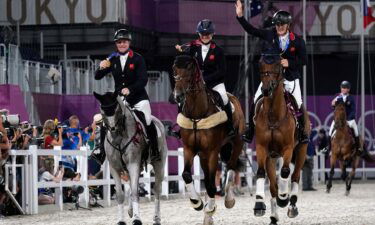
187,77
340,113
270,73
110,108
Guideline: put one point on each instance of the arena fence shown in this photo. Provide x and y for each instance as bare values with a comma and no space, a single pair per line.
30,183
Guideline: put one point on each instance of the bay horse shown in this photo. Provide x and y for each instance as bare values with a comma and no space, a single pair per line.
275,137
196,105
343,148
127,156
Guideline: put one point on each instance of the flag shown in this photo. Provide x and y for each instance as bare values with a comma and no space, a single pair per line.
256,7
368,17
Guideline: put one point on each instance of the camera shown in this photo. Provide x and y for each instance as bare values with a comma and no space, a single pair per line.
10,120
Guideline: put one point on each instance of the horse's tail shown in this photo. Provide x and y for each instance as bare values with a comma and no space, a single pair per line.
366,155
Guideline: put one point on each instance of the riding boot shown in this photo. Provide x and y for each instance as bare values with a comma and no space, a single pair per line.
228,111
152,136
303,138
99,153
249,133
357,144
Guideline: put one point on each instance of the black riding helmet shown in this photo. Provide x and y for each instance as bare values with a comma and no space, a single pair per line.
122,34
345,84
205,26
281,17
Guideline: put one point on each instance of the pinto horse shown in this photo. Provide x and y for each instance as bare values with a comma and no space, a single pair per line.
206,140
275,137
343,149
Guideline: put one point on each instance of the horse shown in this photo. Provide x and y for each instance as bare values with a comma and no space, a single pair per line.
128,154
343,148
204,133
275,137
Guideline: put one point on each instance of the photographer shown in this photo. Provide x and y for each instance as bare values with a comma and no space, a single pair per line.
46,195
4,141
48,134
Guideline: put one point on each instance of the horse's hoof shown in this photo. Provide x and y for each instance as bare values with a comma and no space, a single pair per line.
259,209
347,193
230,203
197,204
282,202
130,212
273,221
156,224
328,191
137,222
121,223
292,211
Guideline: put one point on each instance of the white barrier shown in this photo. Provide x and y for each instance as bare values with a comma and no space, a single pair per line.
30,183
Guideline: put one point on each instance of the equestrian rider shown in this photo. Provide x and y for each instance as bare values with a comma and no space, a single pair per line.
349,101
211,61
128,69
293,57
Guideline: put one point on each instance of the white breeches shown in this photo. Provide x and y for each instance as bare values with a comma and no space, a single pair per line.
222,91
351,123
144,106
292,87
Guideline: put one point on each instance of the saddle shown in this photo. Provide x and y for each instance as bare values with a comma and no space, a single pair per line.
141,123
291,104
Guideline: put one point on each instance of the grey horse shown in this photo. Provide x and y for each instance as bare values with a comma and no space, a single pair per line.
124,146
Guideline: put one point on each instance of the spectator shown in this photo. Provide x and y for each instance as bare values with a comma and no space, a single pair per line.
309,165
46,195
49,139
4,141
322,141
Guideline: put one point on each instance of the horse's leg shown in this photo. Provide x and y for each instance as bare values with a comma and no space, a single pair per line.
134,170
260,207
232,164
332,172
120,196
299,162
195,199
343,165
271,172
283,192
349,179
159,175
208,160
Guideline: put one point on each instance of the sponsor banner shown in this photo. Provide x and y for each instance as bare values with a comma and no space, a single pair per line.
37,12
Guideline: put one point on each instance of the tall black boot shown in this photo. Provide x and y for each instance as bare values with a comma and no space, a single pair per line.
303,138
99,153
357,144
228,111
152,136
249,133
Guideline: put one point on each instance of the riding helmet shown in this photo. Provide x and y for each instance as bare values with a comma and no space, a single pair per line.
345,84
122,34
281,17
206,26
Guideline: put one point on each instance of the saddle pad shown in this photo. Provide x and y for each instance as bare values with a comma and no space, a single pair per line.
205,123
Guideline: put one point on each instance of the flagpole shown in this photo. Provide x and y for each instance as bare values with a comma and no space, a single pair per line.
246,67
362,71
304,67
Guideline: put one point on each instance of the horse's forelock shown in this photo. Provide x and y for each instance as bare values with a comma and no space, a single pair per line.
270,59
183,61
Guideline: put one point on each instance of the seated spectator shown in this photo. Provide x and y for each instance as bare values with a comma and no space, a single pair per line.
4,141
46,195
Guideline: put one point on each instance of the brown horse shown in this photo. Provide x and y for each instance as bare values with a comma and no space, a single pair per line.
275,137
196,104
343,148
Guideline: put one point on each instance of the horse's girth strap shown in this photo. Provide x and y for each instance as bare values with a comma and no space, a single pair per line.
205,123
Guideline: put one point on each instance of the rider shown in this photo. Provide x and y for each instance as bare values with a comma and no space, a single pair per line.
349,101
128,69
211,61
293,56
